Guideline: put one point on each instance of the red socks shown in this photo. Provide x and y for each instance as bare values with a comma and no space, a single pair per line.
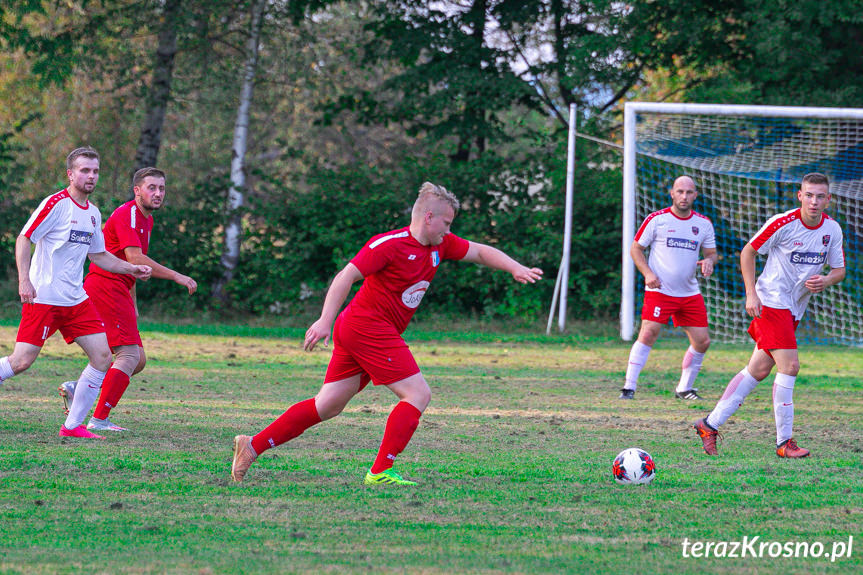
113,388
298,418
401,424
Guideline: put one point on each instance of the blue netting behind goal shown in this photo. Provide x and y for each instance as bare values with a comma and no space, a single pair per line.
748,169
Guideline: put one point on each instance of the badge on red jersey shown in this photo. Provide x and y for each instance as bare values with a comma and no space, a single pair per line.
435,257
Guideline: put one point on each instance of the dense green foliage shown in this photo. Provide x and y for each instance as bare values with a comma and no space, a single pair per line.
358,102
296,245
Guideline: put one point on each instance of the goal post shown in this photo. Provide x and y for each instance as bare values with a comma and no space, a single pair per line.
747,162
561,286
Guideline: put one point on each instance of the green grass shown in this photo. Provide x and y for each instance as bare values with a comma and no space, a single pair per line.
514,458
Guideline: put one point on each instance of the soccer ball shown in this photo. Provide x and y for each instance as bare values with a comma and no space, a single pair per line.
633,465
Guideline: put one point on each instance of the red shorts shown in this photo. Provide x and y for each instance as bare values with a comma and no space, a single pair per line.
378,353
114,303
39,321
774,329
684,311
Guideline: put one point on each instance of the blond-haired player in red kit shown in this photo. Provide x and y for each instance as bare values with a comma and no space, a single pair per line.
127,236
66,229
396,267
675,235
798,244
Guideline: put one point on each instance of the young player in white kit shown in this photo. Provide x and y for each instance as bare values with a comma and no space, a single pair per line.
66,229
798,244
675,236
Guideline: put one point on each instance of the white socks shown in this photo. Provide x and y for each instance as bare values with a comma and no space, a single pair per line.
637,359
5,369
742,385
783,406
691,366
692,361
738,388
86,393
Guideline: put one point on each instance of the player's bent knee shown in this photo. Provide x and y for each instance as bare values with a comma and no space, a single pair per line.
420,398
328,409
126,359
142,363
101,360
20,364
792,368
760,373
23,356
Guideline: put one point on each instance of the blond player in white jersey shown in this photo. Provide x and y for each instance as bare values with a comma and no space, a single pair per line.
66,229
675,235
798,244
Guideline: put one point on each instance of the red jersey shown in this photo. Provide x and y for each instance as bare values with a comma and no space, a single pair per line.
127,227
397,271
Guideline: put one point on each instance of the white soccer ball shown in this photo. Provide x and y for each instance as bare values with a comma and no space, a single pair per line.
633,466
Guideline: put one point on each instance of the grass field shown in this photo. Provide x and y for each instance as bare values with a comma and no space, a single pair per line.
514,458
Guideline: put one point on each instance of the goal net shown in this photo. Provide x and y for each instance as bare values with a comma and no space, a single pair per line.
747,163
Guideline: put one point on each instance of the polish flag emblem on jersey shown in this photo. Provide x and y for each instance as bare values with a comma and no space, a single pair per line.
435,257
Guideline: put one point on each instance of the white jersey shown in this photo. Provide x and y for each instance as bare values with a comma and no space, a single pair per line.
795,252
675,244
64,233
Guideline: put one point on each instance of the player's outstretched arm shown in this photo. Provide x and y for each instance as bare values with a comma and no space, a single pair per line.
496,259
111,263
747,269
135,255
336,296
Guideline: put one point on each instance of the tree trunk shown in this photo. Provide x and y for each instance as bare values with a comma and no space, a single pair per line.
236,194
160,90
473,115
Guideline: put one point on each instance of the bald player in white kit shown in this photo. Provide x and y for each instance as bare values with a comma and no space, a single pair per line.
798,244
675,235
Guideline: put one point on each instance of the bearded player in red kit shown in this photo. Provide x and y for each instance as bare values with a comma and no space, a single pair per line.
396,267
127,236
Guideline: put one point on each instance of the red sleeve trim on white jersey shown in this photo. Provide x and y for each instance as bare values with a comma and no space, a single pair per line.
647,221
768,232
702,216
49,205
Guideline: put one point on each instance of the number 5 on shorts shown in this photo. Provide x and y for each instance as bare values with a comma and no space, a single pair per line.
656,311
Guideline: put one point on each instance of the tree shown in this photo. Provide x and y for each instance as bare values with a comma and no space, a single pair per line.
160,88
790,52
233,226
